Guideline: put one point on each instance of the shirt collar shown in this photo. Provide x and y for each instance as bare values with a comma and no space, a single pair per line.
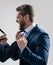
29,28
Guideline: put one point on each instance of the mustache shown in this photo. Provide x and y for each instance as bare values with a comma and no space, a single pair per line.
16,21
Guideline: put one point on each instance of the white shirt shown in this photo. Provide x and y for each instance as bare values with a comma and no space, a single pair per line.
29,28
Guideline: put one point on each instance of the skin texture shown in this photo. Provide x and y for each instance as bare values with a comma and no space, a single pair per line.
4,39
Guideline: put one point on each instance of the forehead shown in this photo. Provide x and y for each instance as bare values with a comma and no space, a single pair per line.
19,12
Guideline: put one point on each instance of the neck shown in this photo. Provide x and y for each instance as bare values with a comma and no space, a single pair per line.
27,24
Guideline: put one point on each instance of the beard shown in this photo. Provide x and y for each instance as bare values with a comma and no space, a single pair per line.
22,25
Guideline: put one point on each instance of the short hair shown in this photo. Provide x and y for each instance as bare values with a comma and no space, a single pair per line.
26,9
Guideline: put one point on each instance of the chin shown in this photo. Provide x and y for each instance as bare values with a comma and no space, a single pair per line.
21,28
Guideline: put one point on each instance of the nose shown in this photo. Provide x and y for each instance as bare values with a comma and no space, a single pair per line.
17,19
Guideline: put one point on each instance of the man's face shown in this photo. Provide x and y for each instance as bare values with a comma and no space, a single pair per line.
20,20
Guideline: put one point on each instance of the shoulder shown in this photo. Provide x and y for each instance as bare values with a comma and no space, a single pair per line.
39,33
39,30
41,36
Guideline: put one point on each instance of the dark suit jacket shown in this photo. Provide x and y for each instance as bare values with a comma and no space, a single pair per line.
35,53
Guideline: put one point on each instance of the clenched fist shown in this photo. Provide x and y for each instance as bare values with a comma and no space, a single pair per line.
3,39
21,41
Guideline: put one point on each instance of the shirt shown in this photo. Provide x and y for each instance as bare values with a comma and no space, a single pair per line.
28,30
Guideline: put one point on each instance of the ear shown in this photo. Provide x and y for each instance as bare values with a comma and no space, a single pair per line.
26,17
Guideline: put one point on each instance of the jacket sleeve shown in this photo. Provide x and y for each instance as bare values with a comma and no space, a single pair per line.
8,51
41,51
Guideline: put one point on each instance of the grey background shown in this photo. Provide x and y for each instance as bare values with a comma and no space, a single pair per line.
43,16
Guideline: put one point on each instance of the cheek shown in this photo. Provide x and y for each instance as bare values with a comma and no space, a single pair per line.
21,19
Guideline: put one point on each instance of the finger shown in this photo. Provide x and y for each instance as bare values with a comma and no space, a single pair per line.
3,41
18,35
2,36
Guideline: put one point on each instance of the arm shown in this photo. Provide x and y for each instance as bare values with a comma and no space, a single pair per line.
5,52
8,51
15,51
41,51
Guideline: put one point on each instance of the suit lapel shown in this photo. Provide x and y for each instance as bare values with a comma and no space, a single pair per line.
32,33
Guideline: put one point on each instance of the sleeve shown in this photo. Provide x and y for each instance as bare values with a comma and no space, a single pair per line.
4,53
9,52
41,52
15,51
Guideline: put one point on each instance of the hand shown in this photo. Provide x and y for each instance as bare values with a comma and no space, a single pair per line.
4,39
18,35
21,41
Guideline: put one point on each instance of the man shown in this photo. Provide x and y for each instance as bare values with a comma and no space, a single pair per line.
32,42
35,47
